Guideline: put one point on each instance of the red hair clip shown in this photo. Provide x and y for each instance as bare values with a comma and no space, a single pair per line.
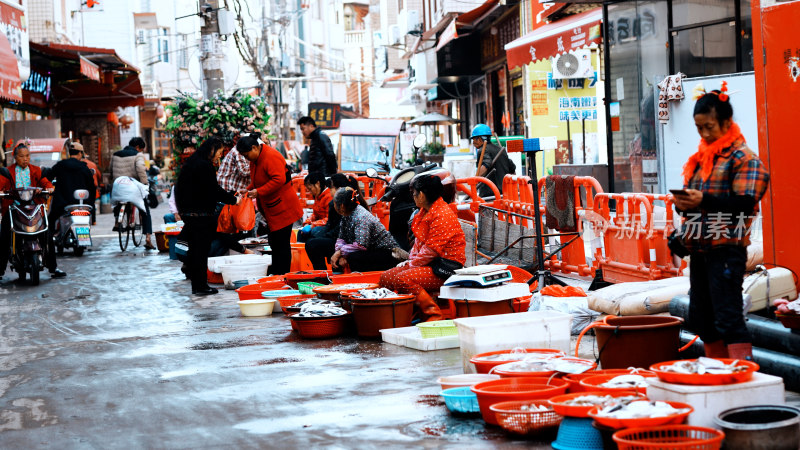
723,91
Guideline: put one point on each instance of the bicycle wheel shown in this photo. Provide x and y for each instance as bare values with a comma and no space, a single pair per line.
123,228
137,230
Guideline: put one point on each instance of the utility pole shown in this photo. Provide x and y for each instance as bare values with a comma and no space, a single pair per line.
210,44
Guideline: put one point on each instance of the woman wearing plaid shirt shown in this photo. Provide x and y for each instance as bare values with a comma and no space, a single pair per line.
723,183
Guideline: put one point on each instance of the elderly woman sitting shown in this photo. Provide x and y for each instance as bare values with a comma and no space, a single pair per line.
438,236
363,243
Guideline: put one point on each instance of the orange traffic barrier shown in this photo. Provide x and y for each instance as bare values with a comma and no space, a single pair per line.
631,242
469,186
572,258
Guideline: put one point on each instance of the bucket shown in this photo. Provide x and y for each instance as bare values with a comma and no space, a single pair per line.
758,427
371,316
638,341
474,308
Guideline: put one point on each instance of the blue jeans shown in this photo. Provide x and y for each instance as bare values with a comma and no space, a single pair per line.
170,218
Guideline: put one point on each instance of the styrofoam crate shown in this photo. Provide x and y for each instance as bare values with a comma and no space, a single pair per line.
533,329
488,294
709,401
412,338
779,282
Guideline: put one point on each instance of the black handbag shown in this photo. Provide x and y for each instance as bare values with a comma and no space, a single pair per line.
676,245
445,268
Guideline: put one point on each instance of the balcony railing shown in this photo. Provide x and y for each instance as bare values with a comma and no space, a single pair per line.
355,38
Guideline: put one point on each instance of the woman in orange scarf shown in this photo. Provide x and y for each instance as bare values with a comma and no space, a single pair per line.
723,183
437,234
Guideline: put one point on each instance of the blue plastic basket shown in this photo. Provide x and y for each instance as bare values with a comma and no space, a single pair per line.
461,400
577,434
280,293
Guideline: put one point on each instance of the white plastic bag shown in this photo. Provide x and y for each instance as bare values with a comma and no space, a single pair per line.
126,189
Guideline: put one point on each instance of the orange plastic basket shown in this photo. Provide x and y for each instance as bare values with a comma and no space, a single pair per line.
669,437
357,277
514,419
320,327
708,379
575,378
560,406
593,383
214,278
290,300
671,419
253,291
484,366
545,373
515,389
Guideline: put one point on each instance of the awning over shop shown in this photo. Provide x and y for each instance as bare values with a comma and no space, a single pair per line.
10,84
578,31
467,19
88,78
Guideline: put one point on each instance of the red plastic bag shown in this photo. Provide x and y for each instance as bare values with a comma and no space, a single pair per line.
244,215
563,291
225,220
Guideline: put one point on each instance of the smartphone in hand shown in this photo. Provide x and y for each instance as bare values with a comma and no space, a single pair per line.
679,192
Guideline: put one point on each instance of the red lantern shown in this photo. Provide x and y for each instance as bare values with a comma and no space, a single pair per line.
126,120
112,118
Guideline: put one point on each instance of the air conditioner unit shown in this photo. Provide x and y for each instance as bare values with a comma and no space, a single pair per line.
575,64
394,35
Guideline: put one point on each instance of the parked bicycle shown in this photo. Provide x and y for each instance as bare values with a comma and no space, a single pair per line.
129,225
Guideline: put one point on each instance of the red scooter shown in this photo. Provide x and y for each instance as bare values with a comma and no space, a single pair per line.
28,231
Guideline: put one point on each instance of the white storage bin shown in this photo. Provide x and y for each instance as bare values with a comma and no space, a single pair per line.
709,401
215,263
234,272
534,329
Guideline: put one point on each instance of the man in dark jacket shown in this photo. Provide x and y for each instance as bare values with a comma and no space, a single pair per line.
495,164
320,151
69,175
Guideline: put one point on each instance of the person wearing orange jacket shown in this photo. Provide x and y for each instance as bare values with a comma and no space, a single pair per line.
438,240
271,184
314,226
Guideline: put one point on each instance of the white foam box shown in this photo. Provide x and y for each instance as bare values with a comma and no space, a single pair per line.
777,282
412,338
502,292
533,329
709,401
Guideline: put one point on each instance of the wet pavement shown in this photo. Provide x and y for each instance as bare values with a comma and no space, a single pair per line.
120,355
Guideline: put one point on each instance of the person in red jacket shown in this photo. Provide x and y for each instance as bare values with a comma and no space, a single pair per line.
437,234
317,185
271,184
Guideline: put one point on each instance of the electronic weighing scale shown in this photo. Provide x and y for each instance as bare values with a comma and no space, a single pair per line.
480,276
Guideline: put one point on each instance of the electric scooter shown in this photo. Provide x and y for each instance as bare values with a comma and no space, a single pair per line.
29,227
74,229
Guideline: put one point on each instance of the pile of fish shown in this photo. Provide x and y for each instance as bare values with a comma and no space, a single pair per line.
535,408
254,241
375,294
625,381
552,363
319,308
638,409
518,356
350,286
597,400
787,307
703,365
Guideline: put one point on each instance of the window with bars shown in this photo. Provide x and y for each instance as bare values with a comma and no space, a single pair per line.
183,55
163,45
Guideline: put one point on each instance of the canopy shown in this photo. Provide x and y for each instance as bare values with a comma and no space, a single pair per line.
578,31
370,127
10,84
467,19
433,119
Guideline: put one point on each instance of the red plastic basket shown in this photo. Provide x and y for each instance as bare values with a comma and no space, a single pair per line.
316,276
482,366
508,374
789,320
593,383
214,278
357,277
515,389
514,419
320,327
708,379
671,419
272,278
560,407
575,378
331,292
669,437
290,300
253,291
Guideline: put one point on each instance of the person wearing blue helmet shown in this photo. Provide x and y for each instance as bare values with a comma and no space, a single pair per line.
493,161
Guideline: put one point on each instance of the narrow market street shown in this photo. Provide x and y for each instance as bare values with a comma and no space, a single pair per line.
119,355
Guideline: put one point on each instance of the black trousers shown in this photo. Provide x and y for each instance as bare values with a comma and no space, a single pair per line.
318,249
5,241
199,232
371,260
280,243
715,298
